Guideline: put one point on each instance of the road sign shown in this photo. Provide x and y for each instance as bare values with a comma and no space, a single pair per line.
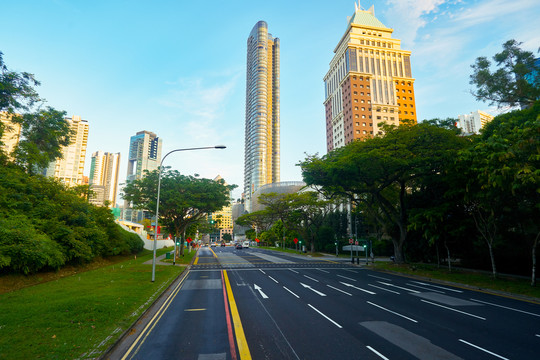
257,239
356,242
295,240
350,241
188,240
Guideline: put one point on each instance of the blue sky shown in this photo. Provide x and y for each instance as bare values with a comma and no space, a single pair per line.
177,68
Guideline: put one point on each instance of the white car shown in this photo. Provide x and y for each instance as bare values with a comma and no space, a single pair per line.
245,244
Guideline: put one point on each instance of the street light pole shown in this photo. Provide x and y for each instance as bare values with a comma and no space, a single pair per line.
157,205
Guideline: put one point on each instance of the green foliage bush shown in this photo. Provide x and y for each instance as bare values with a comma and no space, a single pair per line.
45,226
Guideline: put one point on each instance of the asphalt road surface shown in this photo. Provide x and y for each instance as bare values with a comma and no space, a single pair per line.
257,304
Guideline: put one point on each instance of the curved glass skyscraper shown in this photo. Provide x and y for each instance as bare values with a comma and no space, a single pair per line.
261,158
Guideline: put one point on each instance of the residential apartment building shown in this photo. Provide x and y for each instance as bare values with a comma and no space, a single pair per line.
473,122
104,170
262,156
144,154
369,82
11,134
69,169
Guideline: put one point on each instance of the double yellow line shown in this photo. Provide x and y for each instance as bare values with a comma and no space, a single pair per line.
243,348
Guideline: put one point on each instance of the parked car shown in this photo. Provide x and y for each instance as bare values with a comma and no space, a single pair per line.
239,246
222,244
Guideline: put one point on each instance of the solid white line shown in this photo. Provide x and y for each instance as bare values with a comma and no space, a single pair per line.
291,292
293,271
537,335
332,321
348,278
356,272
449,308
311,278
505,307
378,353
439,287
393,312
399,287
425,288
378,287
380,277
479,348
335,288
262,271
324,271
274,279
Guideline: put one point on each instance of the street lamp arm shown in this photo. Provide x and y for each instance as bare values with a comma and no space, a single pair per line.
157,200
194,148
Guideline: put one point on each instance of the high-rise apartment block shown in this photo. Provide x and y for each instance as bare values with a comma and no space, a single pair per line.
261,158
104,177
369,82
144,154
11,134
473,122
69,169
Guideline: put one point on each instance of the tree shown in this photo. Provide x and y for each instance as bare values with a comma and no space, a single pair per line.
502,169
516,82
307,215
16,89
184,200
385,170
259,221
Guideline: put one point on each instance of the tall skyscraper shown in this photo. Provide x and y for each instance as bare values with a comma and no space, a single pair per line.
261,157
369,82
144,154
104,177
69,169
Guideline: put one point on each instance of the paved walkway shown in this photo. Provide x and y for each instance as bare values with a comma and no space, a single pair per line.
160,262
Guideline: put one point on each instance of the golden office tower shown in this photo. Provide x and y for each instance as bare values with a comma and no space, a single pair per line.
261,157
369,82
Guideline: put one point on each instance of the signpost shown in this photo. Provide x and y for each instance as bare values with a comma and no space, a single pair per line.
350,243
189,243
296,243
356,243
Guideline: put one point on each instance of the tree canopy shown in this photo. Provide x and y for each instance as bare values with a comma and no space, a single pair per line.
516,81
184,199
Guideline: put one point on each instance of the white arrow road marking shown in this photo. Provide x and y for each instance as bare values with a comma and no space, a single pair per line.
399,287
259,289
350,285
310,288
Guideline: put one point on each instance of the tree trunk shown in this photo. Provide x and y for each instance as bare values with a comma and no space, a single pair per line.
398,252
448,256
533,272
438,256
494,269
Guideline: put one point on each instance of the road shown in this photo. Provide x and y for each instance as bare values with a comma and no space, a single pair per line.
258,304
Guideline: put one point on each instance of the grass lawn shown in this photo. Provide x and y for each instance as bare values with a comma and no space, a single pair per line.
80,315
479,280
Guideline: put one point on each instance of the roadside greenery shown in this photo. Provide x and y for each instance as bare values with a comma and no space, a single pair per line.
81,315
43,224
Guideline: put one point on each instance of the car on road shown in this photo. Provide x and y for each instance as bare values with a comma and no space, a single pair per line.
245,244
239,246
222,244
213,244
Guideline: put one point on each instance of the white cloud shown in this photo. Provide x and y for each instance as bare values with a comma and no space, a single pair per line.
490,10
408,16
